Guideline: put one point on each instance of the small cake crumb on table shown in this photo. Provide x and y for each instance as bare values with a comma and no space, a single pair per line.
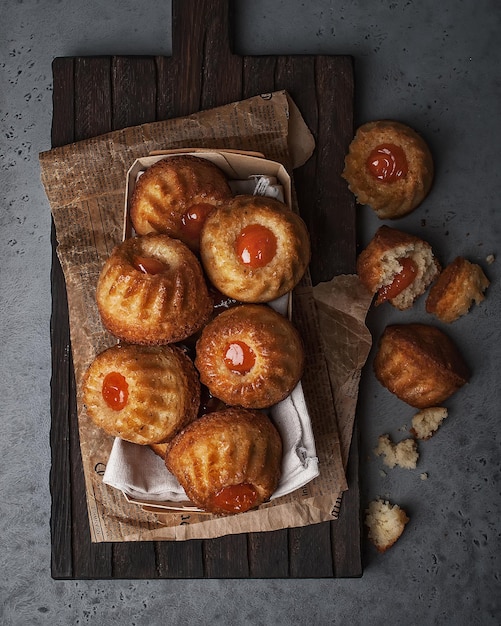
386,522
426,422
404,454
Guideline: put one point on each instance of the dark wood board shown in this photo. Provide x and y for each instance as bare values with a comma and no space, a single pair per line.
94,95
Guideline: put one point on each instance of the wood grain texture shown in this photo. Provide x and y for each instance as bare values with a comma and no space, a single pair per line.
180,559
346,531
94,95
60,484
134,91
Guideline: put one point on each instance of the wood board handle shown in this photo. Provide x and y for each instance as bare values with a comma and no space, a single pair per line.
206,71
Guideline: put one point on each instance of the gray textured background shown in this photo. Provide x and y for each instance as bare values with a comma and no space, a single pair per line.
434,65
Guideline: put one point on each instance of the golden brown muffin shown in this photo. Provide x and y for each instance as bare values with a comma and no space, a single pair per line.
389,167
250,356
397,266
420,364
386,522
227,461
143,394
458,286
152,290
174,195
254,249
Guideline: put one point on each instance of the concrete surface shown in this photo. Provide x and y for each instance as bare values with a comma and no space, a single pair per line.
434,65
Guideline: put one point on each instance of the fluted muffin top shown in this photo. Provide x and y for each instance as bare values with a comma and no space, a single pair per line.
389,167
174,196
152,290
254,248
143,394
228,461
250,356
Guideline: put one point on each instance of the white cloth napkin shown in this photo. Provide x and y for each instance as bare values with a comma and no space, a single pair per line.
141,474
258,185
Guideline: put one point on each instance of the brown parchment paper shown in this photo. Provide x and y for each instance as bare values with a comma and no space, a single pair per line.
342,305
85,185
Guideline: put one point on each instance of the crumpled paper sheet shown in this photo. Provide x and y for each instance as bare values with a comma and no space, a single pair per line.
84,183
342,306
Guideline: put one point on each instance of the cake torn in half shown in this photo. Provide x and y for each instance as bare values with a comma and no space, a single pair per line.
397,267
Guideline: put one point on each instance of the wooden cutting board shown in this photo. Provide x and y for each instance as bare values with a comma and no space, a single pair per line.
94,95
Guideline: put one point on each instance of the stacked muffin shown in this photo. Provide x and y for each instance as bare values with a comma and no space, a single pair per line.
189,377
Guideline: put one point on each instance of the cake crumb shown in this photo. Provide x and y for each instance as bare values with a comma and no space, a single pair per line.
424,476
426,422
489,259
404,454
386,523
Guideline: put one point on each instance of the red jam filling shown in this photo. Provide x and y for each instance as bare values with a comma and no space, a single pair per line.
387,163
149,265
256,245
115,391
401,281
236,498
239,357
193,220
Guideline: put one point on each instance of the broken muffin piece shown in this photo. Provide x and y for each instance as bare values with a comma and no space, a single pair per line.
386,522
426,422
397,266
459,285
404,454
